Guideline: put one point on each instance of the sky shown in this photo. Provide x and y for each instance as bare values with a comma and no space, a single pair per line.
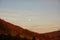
36,15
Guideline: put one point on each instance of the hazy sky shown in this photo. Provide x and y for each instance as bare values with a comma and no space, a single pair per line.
41,15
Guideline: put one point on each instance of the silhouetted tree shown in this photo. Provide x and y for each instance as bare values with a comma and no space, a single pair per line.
25,39
33,38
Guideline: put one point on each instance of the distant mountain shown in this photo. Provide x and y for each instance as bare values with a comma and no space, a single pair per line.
7,28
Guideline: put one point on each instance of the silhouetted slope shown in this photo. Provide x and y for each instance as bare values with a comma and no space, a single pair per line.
17,33
10,28
50,36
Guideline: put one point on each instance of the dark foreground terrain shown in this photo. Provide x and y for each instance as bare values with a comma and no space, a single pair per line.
9,37
10,31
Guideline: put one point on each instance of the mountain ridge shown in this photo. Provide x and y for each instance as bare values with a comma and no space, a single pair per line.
9,28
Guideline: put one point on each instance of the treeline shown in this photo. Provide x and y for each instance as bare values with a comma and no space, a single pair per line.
9,37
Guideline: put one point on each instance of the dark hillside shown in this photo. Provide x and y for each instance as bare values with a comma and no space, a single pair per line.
9,31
